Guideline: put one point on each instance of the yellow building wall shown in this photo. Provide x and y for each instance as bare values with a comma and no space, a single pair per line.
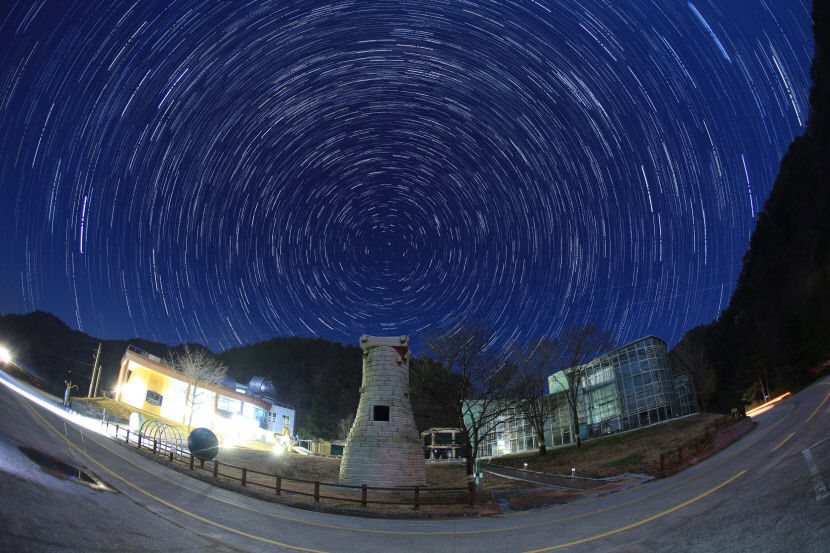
175,402
140,381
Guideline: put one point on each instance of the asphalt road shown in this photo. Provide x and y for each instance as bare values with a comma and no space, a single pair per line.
767,492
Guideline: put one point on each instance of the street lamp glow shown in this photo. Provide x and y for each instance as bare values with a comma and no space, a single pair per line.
5,355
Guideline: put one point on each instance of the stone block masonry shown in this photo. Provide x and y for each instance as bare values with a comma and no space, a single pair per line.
384,447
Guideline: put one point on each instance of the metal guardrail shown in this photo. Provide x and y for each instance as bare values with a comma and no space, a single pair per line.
315,489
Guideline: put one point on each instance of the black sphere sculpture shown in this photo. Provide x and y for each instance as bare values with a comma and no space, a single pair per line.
203,444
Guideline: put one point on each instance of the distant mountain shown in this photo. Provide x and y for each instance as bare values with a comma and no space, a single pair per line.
775,333
321,379
45,344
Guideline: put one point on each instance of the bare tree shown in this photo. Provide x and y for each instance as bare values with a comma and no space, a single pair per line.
197,367
477,378
344,426
689,355
569,355
531,383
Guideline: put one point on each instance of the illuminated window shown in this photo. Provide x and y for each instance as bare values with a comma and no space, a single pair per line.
228,405
285,420
153,398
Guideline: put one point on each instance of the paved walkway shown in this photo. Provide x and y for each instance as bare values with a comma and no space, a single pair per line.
556,489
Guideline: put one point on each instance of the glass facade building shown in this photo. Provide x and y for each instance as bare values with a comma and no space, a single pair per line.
630,387
512,434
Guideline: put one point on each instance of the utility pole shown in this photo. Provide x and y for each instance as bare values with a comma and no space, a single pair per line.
96,374
97,382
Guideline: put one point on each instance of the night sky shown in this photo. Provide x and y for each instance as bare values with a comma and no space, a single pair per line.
225,173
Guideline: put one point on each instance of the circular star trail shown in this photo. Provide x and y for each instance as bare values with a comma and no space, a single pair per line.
226,173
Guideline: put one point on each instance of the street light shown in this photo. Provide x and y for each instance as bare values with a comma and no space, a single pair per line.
5,355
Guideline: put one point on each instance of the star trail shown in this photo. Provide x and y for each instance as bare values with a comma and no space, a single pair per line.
227,172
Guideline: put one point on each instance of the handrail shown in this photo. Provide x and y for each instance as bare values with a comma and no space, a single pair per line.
152,356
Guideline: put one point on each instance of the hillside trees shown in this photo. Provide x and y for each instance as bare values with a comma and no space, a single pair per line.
690,355
778,319
431,392
321,379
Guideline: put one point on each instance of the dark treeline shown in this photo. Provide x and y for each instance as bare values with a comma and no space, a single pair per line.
775,333
321,379
45,345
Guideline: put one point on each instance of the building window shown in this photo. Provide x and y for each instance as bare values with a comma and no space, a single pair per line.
228,405
284,420
381,413
153,398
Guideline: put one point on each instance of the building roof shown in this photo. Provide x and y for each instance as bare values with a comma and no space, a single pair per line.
615,351
157,364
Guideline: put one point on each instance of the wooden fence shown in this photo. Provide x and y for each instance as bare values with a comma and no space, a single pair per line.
674,460
279,485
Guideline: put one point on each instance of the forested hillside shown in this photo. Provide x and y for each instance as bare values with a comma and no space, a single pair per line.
321,379
776,329
46,345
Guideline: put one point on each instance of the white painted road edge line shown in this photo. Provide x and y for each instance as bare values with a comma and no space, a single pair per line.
818,483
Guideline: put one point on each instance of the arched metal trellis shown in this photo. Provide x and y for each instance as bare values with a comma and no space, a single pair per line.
166,435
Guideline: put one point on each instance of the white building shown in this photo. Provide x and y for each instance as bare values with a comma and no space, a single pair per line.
230,410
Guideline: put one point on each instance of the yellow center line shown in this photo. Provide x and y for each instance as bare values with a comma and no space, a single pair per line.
819,405
783,442
403,532
364,530
640,523
171,505
310,550
352,529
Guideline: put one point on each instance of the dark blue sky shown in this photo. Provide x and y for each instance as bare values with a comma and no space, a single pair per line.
220,173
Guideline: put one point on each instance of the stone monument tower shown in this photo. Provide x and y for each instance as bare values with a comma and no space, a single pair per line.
384,448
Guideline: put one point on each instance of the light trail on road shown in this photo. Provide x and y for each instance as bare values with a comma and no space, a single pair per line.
593,521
